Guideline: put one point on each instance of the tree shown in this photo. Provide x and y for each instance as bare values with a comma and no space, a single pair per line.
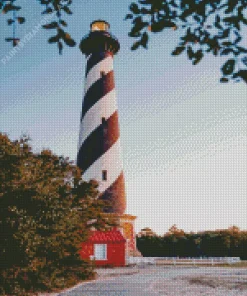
218,243
207,26
50,7
46,211
150,246
174,230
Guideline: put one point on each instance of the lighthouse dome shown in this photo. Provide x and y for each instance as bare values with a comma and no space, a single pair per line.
99,39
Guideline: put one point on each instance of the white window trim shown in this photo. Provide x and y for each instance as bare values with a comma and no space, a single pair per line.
105,251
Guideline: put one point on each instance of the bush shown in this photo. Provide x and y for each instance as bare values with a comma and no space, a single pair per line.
46,211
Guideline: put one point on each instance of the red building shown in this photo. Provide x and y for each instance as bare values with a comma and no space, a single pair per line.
107,248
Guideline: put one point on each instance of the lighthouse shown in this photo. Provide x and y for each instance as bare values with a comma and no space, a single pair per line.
99,149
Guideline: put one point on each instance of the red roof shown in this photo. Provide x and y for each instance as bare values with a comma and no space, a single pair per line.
112,235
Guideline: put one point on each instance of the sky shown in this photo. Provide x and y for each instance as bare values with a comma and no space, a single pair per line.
183,133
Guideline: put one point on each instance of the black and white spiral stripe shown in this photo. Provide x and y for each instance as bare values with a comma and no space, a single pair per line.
99,142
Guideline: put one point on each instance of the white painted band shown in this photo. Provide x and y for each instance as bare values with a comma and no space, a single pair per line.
105,107
111,162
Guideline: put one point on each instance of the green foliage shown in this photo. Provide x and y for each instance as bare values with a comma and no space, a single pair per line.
220,243
56,7
46,211
215,27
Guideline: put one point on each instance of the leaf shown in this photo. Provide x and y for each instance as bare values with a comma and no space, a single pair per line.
173,4
178,50
234,20
62,22
197,18
135,45
61,33
53,39
10,21
145,11
231,5
198,56
226,51
159,26
190,52
145,1
225,33
44,2
138,24
215,51
224,79
238,39
129,16
48,10
241,49
67,10
228,67
199,8
243,75
16,41
58,14
226,43
244,60
10,7
52,25
218,26
21,20
144,40
217,18
134,8
186,13
69,41
137,20
134,34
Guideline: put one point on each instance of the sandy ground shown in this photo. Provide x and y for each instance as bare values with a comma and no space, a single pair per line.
194,281
165,280
217,282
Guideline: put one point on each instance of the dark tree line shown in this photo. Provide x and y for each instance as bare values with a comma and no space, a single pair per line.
219,243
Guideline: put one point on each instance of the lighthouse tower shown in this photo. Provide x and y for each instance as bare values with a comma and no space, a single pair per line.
99,154
99,151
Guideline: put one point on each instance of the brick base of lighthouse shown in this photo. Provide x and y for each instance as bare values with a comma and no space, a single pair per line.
126,224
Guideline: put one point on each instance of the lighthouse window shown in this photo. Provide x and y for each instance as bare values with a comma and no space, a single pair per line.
99,26
103,120
104,175
102,74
